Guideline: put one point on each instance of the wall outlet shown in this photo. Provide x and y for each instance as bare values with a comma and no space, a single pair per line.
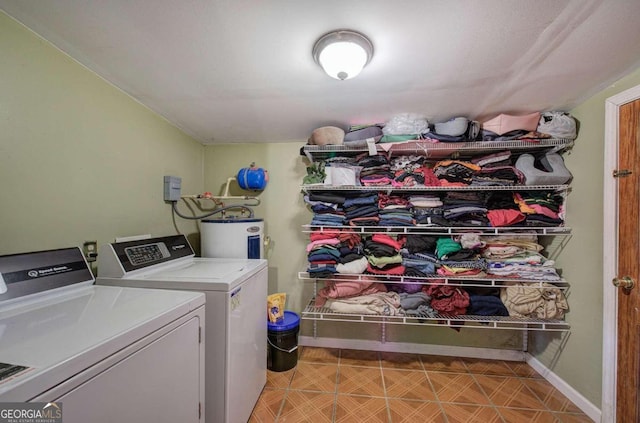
172,187
90,250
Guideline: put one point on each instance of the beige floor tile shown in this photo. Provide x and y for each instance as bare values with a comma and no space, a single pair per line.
467,413
458,388
358,409
268,406
515,415
400,361
407,411
359,358
522,369
509,392
319,355
550,396
440,363
333,385
279,380
488,367
354,380
407,384
315,377
299,406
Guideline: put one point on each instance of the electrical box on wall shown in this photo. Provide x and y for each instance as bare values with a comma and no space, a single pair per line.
172,186
90,250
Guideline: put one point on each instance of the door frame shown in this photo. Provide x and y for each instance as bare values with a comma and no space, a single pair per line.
610,251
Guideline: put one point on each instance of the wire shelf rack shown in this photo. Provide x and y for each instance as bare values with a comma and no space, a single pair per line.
311,312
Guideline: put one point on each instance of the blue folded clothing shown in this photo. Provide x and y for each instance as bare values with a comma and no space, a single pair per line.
414,300
423,310
361,201
317,269
486,305
327,220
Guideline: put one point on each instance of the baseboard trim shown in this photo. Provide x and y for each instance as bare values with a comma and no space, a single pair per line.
567,390
411,348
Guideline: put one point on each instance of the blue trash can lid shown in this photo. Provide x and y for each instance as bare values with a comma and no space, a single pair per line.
290,321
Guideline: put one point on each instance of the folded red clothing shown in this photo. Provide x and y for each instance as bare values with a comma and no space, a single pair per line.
387,270
324,234
349,238
387,240
448,299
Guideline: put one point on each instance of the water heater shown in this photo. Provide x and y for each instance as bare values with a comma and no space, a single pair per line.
232,238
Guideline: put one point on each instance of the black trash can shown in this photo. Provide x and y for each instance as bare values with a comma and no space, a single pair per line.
282,339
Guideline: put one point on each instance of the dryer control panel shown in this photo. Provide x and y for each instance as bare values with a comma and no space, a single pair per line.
29,273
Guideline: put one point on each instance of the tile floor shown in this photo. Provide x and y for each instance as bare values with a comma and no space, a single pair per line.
332,385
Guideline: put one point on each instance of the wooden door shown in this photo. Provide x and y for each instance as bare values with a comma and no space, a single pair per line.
628,377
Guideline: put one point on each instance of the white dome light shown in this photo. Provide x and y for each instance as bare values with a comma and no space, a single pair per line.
343,54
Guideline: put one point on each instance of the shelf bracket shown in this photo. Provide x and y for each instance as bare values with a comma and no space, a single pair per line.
315,322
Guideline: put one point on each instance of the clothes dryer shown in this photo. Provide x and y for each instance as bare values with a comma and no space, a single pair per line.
236,322
101,353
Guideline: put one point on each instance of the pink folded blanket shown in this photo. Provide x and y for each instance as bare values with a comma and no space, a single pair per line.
347,289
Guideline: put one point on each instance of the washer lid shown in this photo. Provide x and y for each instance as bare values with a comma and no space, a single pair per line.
61,335
203,274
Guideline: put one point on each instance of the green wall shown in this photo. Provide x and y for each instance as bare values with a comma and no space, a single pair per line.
79,159
577,358
284,213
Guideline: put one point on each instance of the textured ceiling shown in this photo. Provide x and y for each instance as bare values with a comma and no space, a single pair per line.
242,71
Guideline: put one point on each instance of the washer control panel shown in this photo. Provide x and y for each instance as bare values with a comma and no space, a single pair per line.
138,254
143,254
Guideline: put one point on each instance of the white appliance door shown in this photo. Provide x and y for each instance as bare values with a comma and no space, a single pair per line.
247,346
158,383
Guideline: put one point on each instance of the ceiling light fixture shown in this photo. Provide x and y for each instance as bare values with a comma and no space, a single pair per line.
343,53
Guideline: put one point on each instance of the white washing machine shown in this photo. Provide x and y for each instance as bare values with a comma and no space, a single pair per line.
236,320
102,354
